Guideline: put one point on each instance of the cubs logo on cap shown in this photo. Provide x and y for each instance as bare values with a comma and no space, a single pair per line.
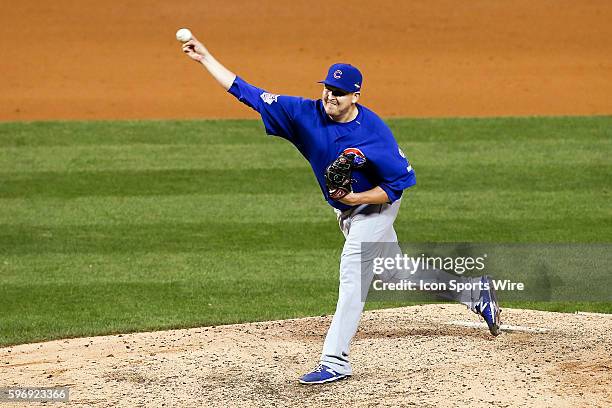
345,77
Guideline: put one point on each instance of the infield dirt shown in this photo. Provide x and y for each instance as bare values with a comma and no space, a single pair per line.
402,357
114,59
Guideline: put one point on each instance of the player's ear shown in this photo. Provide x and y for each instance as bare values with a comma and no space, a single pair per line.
356,97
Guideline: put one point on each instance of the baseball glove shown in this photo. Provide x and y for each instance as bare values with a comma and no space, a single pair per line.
338,174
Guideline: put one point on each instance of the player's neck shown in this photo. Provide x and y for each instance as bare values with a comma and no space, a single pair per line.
349,116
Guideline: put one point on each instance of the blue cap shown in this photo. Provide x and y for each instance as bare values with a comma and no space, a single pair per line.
345,77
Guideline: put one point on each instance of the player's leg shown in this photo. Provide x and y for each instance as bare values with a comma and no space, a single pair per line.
390,249
370,225
478,293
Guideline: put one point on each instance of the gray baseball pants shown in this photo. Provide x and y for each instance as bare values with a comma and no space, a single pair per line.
365,223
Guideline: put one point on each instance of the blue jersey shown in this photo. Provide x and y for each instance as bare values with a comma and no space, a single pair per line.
321,140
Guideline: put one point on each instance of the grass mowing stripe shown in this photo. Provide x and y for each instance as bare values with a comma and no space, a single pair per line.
93,133
228,132
262,208
461,177
268,265
508,176
215,236
526,129
575,230
422,205
153,182
172,237
148,157
282,155
477,205
40,311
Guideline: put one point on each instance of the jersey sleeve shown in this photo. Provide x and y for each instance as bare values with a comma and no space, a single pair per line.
277,112
391,166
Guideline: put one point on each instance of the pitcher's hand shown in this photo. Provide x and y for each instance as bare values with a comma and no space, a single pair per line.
195,49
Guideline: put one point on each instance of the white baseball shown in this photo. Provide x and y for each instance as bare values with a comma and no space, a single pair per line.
183,35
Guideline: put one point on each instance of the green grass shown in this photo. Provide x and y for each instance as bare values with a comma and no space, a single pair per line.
111,227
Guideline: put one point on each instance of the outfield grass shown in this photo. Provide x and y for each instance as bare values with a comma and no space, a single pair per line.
126,226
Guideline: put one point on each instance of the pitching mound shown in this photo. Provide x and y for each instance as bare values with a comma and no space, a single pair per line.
425,356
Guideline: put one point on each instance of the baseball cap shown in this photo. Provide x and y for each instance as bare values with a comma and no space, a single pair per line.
344,76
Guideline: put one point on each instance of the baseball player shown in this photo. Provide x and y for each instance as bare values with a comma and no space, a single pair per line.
362,174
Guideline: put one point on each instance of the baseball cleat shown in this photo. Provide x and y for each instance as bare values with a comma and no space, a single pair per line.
487,306
322,374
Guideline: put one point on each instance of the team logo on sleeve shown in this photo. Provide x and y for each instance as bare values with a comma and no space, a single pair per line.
269,97
401,153
359,158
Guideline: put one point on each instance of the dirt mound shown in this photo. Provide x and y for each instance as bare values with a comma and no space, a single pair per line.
410,356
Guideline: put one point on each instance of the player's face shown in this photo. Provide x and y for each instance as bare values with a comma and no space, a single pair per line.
338,103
